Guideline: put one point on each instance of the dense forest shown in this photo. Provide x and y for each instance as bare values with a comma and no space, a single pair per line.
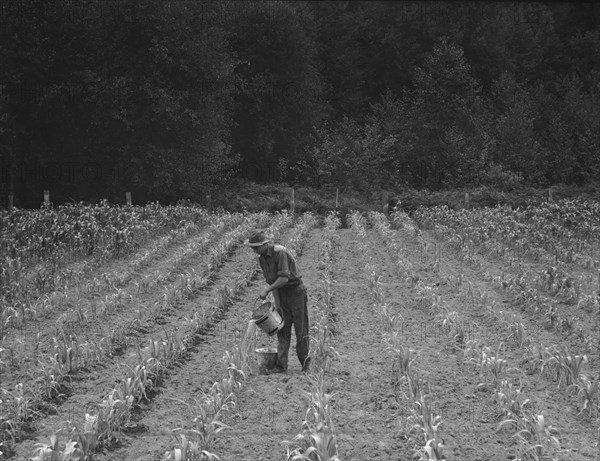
178,99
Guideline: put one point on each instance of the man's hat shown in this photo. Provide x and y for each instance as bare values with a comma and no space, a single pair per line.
257,240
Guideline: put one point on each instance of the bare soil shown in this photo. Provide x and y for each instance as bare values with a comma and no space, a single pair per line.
370,412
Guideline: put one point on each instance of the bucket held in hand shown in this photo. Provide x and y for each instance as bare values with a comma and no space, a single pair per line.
267,318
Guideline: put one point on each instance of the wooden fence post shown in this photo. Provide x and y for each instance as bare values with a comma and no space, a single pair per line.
292,202
128,198
337,195
386,201
47,198
10,202
550,194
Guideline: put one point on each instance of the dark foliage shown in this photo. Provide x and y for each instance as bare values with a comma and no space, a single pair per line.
173,99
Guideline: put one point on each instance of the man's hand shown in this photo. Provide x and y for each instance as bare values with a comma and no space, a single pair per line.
264,295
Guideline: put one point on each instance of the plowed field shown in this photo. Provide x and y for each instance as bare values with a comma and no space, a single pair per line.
371,413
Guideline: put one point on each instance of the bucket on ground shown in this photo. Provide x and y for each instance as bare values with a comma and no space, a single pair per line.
267,318
267,357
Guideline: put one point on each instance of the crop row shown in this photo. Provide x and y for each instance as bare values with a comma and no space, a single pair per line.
525,286
565,231
69,329
71,353
317,439
534,438
88,230
114,412
19,312
36,245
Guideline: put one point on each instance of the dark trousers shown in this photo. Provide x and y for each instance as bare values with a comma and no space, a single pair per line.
294,304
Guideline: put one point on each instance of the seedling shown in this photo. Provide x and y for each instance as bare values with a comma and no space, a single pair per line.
511,400
492,364
587,391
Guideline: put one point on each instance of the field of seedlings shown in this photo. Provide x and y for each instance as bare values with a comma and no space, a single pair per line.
468,335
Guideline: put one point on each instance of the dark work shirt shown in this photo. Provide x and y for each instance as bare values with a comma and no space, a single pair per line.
279,262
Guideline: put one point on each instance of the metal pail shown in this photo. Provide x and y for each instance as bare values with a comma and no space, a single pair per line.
267,318
267,357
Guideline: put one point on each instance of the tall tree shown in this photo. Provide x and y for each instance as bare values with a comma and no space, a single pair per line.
517,146
447,116
513,37
279,100
126,96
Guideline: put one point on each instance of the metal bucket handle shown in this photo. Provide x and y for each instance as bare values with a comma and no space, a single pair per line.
254,306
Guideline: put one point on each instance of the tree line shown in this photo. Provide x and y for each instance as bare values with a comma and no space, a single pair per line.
176,99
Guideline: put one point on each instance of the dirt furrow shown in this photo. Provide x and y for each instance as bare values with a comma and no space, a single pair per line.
363,421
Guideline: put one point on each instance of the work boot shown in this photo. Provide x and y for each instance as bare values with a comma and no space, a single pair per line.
306,365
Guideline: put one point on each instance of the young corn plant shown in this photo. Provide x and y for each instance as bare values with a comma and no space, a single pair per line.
565,367
514,325
79,447
317,444
173,346
511,400
491,365
11,417
432,451
424,422
56,451
317,441
587,391
374,283
67,352
320,409
535,440
518,333
187,450
51,379
417,386
423,418
573,364
389,321
196,444
322,350
402,356
113,414
471,351
236,362
16,411
535,358
452,324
